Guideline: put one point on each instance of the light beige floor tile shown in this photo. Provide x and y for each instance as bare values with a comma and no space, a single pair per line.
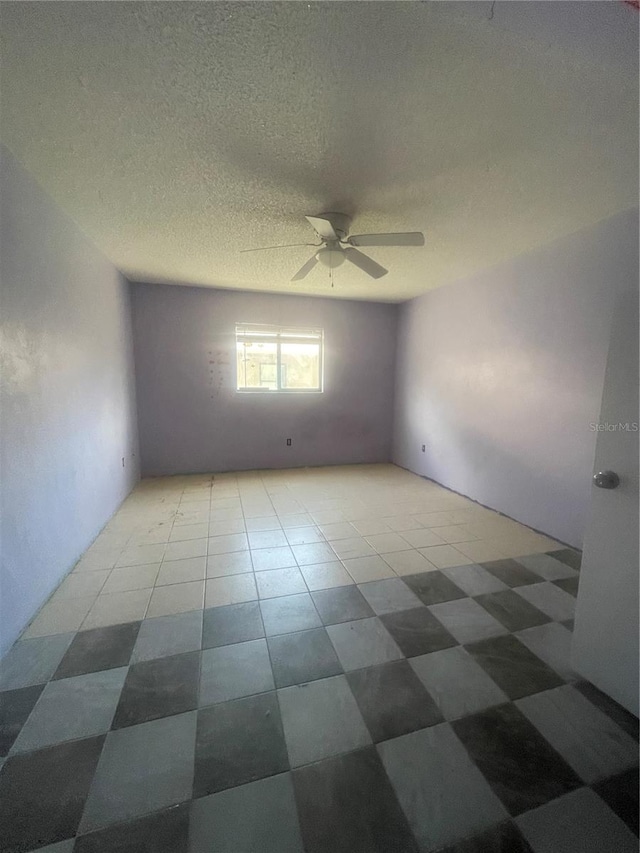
230,590
225,528
182,571
141,555
480,551
386,543
424,538
131,577
453,533
304,535
310,555
98,559
267,539
236,563
435,519
225,515
301,519
229,543
402,522
183,532
60,617
271,522
338,530
176,598
186,550
280,582
117,608
349,549
265,559
444,556
82,584
326,576
408,562
327,516
155,536
363,569
370,526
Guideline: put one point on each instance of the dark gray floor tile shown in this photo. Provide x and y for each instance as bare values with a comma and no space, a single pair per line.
343,604
569,585
625,719
234,623
579,822
142,769
433,587
15,707
321,719
513,667
442,793
59,847
162,832
99,648
512,610
260,816
238,742
392,700
417,632
289,613
230,672
168,635
503,838
306,656
518,763
547,567
72,708
42,793
159,688
620,793
511,572
569,556
347,805
32,661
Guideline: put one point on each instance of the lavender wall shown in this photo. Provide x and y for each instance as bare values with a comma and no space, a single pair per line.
67,396
500,376
192,418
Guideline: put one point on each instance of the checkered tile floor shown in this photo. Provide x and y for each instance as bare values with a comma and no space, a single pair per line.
346,659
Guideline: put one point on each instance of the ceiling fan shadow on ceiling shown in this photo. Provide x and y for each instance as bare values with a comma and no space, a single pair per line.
336,246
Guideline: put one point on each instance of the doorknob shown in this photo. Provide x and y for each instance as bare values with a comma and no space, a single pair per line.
606,480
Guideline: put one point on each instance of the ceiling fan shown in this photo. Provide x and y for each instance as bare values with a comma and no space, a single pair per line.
337,247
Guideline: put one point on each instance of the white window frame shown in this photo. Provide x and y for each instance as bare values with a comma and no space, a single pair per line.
257,332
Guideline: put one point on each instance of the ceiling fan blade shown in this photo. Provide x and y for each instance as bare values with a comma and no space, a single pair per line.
407,238
323,227
365,263
285,246
305,269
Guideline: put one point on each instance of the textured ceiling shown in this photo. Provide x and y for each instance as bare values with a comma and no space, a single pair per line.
177,133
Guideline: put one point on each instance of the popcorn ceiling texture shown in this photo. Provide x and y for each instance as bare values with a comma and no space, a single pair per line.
176,134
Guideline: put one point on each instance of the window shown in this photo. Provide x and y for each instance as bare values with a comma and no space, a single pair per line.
279,358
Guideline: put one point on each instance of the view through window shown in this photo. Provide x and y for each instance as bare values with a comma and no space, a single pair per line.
278,358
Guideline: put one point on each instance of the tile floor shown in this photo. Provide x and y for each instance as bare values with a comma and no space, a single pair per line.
323,660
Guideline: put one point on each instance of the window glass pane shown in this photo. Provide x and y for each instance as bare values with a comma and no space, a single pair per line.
300,366
257,365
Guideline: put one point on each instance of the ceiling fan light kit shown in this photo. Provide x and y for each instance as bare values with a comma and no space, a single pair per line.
337,247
